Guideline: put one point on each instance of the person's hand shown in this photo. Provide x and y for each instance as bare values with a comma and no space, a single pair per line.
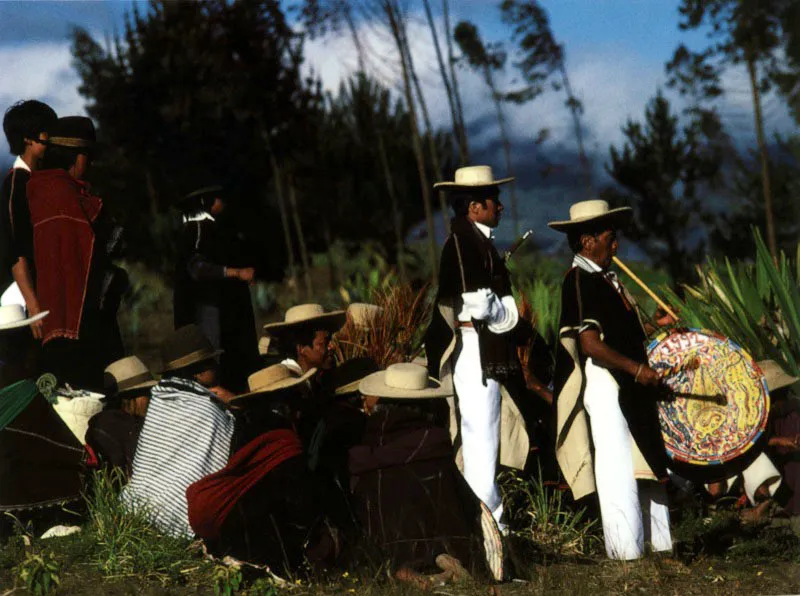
662,318
785,443
648,377
222,393
37,327
246,274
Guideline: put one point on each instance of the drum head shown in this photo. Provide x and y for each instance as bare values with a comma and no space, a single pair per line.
719,405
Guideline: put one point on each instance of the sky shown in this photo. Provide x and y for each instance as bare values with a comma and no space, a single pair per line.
616,51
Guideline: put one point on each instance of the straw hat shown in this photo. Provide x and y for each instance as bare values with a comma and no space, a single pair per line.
127,377
591,211
473,177
271,379
13,316
775,376
185,347
405,380
345,378
363,314
305,314
263,344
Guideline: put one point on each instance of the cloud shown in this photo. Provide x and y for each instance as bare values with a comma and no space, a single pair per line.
39,71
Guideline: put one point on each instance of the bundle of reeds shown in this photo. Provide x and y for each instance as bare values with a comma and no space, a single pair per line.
396,331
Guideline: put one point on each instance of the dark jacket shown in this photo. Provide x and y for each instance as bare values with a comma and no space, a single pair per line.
15,224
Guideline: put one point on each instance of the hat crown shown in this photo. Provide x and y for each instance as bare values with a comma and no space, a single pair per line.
128,368
474,175
585,209
407,375
363,314
302,312
186,343
12,313
267,377
776,377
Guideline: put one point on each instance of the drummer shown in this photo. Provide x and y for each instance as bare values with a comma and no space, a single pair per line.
604,391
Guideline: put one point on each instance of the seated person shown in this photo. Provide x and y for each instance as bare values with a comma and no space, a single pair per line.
784,430
186,434
41,461
114,432
412,503
260,507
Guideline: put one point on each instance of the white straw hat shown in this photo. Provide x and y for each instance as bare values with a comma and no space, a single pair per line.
776,377
473,177
13,316
591,211
303,314
405,380
271,379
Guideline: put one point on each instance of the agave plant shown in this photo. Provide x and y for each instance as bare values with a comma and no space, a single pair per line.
755,304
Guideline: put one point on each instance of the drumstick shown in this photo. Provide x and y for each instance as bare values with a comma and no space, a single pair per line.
642,285
718,399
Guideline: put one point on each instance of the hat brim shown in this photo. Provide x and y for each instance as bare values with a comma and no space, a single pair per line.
129,391
351,387
781,380
276,388
25,322
453,185
617,216
332,321
207,356
375,385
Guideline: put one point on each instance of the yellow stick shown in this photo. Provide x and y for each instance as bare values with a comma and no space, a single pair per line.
642,285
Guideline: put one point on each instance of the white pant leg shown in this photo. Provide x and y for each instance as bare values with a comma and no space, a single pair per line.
761,471
617,491
479,406
655,516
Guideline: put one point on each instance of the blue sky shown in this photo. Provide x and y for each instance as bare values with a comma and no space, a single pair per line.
616,51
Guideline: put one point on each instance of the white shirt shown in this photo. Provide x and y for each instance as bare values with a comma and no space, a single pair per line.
293,366
201,216
19,164
591,267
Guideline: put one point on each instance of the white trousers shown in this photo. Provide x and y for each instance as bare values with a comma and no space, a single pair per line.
761,472
479,407
631,514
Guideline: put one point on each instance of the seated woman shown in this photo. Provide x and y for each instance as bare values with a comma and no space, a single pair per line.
261,507
41,461
114,432
186,434
412,503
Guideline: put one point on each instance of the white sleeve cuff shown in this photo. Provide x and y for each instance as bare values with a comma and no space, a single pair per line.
505,317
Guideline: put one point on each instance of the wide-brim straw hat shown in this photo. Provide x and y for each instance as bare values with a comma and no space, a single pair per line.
128,377
362,314
272,379
186,347
595,212
405,380
12,316
346,377
307,314
776,377
472,177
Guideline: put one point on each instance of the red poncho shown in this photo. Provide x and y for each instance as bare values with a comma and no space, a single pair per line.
62,211
211,499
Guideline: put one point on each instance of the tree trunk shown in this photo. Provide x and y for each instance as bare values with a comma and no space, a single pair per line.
437,168
397,220
501,120
447,86
576,123
287,234
301,240
462,129
333,273
762,148
415,137
351,25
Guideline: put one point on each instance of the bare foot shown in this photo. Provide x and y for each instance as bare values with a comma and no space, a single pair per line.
419,581
450,563
756,514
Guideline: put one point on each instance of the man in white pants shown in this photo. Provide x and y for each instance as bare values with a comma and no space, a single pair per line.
474,282
609,440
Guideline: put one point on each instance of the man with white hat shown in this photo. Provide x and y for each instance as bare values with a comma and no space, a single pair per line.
475,308
604,391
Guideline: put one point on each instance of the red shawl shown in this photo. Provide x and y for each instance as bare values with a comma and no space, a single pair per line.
63,241
212,498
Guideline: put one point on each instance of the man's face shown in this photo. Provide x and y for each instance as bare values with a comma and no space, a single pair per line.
488,215
318,354
601,248
38,146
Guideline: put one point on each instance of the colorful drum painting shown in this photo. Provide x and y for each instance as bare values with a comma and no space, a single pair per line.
719,404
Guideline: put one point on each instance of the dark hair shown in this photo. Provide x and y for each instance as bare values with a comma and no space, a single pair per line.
61,158
591,229
26,120
461,198
302,335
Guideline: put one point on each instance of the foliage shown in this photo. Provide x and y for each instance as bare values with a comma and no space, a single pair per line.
755,304
227,580
543,298
396,331
541,516
39,573
662,172
126,542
